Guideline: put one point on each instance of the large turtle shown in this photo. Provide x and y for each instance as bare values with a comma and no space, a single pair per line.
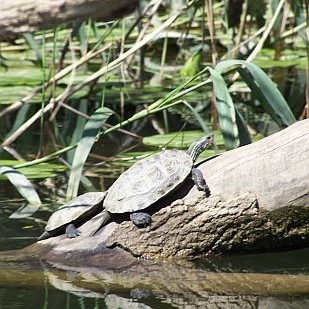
143,184
152,178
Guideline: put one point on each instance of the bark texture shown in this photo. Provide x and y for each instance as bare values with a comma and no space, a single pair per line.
189,228
20,16
274,169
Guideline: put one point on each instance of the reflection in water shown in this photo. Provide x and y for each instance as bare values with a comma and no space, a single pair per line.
289,262
149,284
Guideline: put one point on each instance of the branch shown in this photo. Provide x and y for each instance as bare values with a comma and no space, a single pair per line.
21,16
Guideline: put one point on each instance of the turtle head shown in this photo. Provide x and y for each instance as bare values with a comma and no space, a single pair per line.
200,145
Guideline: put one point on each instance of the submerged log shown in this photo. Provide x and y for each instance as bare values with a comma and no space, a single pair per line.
260,194
20,16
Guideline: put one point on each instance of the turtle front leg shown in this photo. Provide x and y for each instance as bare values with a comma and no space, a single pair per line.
140,219
71,231
199,181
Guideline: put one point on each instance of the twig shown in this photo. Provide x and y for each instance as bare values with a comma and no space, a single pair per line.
261,42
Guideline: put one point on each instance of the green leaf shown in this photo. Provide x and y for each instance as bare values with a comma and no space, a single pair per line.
23,186
192,66
40,170
20,119
226,111
179,140
24,211
34,45
84,146
82,36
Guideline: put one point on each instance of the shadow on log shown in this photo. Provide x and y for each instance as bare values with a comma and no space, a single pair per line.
258,203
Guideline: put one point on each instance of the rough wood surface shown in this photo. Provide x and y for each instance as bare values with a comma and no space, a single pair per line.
189,228
20,16
274,169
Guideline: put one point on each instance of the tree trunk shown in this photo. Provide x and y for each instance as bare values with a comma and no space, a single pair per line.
20,16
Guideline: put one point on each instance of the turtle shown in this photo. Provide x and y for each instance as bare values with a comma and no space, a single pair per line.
73,214
152,178
143,184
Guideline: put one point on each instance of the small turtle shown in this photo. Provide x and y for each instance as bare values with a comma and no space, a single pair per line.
143,184
73,214
152,178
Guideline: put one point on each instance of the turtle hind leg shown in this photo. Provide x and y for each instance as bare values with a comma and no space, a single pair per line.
140,219
71,231
199,181
104,217
45,235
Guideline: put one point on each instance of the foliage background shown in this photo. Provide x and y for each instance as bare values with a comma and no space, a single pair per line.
92,98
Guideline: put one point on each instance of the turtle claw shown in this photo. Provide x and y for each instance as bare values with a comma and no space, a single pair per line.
71,231
202,186
205,189
140,219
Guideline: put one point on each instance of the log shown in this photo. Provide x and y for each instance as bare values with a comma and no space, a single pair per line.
274,169
259,198
20,16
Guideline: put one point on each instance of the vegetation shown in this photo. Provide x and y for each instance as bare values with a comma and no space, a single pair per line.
176,66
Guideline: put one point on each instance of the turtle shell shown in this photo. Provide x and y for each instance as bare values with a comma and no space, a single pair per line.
148,180
81,208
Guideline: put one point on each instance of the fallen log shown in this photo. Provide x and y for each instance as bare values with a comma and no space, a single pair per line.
260,194
20,16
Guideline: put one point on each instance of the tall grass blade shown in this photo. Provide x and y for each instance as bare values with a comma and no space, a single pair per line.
82,36
226,111
78,130
244,134
24,187
263,88
33,44
24,211
197,116
84,146
20,119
